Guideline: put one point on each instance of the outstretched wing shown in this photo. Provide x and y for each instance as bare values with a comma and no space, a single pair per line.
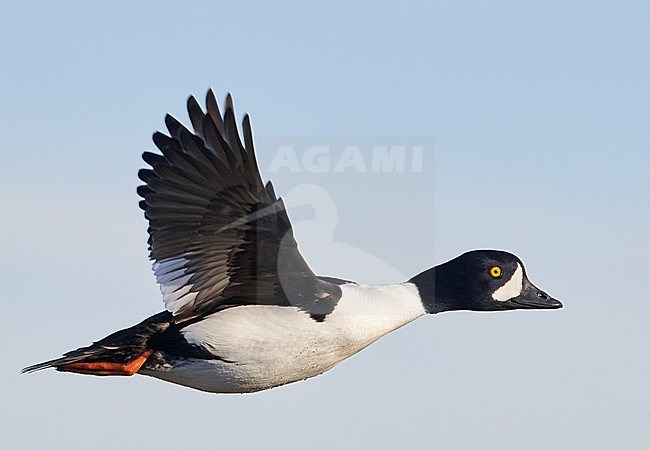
218,237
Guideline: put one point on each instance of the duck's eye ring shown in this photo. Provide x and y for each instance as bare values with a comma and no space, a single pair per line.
496,271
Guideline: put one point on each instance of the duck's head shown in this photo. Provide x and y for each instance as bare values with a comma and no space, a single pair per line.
481,280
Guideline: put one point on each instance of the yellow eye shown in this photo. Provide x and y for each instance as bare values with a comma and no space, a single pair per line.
495,271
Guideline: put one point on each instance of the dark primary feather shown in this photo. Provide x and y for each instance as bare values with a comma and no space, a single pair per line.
206,203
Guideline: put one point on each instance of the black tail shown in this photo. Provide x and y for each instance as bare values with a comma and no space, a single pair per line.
121,353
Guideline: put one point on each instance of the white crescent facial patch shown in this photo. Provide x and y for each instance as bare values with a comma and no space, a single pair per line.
512,288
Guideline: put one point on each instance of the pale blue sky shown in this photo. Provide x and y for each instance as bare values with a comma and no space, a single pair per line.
538,113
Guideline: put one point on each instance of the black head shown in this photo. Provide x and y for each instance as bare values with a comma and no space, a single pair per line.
481,280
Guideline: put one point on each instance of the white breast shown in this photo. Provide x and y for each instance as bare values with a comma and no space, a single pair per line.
268,346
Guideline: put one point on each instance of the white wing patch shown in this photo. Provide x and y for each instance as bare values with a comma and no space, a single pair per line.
512,288
173,278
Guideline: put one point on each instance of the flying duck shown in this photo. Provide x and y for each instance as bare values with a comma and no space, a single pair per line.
243,310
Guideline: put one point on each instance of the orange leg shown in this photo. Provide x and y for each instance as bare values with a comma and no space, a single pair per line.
108,368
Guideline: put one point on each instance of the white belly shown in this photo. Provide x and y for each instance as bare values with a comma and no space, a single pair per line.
268,346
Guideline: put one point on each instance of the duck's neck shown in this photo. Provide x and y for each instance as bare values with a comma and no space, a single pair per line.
434,296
